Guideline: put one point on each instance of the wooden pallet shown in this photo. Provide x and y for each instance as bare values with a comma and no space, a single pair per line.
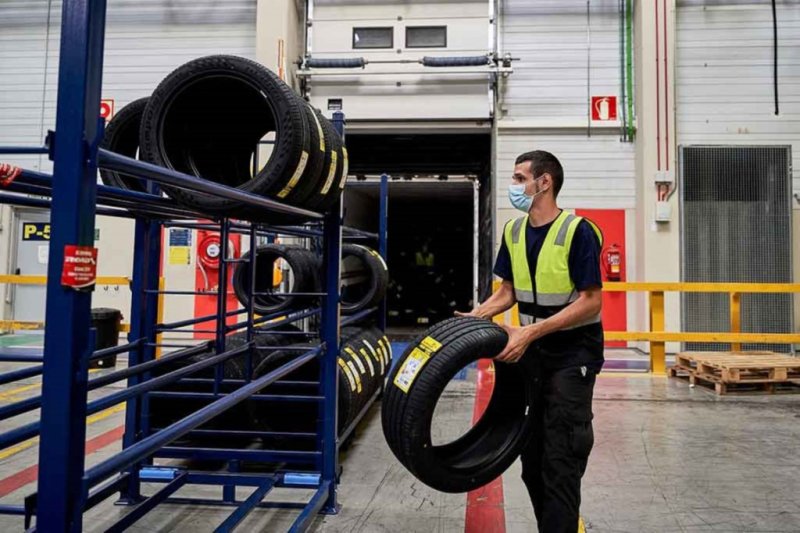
742,372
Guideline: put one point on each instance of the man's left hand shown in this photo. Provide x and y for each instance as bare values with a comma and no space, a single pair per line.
518,341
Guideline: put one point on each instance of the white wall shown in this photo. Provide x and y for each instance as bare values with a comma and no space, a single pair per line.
544,103
422,94
725,76
145,40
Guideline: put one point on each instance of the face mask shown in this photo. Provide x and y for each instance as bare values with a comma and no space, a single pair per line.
520,200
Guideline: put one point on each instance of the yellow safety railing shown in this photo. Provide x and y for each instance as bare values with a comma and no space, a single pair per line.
658,337
20,279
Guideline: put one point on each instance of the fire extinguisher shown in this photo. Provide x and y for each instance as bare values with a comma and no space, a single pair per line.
612,261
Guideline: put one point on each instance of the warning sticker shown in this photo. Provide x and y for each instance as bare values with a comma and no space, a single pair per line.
301,167
411,367
79,270
331,174
347,374
345,168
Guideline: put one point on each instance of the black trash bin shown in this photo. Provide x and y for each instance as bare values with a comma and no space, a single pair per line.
106,323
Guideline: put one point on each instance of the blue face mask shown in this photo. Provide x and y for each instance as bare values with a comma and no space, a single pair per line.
518,198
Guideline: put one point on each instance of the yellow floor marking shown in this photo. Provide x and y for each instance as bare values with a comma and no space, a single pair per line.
9,394
22,446
581,526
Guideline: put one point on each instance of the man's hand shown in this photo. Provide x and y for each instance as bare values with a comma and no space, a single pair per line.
475,313
518,341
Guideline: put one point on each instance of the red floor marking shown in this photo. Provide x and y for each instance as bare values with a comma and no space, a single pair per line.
29,475
485,506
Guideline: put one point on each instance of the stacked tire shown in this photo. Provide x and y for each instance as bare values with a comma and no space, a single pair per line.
212,118
364,273
304,279
363,363
414,387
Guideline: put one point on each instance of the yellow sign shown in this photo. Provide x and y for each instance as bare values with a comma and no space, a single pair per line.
179,255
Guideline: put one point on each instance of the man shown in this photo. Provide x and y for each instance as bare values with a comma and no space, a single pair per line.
549,262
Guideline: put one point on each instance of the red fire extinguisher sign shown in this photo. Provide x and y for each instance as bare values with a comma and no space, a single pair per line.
604,108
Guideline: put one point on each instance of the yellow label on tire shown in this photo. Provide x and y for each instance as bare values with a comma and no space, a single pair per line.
430,345
356,375
319,131
357,359
345,168
366,356
301,167
347,373
331,173
374,353
411,367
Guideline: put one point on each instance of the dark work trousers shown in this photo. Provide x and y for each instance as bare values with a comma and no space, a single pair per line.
555,459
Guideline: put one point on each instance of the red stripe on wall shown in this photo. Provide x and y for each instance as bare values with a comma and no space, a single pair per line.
485,506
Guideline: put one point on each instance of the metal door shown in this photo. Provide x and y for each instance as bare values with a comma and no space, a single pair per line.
32,250
736,226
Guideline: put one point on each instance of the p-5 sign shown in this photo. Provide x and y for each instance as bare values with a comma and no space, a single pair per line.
35,231
107,108
604,108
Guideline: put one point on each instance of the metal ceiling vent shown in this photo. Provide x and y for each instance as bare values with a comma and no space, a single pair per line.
736,226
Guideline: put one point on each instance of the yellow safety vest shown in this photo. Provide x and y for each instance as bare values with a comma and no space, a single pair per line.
554,287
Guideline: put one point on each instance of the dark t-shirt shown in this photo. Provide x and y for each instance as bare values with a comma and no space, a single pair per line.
576,347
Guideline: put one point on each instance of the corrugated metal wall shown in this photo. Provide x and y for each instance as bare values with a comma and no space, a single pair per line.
565,56
725,75
145,40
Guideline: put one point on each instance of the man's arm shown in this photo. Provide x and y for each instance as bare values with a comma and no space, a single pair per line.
499,302
588,304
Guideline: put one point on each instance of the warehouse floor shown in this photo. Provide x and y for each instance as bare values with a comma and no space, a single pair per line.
666,458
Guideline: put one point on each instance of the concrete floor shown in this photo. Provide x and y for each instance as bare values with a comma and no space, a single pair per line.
666,458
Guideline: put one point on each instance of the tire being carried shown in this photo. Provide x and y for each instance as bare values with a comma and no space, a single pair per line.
415,386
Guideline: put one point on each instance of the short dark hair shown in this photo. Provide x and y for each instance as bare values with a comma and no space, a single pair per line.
544,163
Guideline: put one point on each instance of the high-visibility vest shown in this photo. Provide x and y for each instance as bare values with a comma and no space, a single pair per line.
554,288
424,259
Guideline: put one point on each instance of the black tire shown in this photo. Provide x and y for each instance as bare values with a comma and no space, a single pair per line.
122,137
334,170
362,296
207,117
486,450
304,268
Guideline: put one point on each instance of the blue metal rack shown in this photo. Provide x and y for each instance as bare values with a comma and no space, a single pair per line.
66,489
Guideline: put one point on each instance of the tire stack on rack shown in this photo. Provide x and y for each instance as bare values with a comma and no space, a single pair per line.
363,364
165,411
232,121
